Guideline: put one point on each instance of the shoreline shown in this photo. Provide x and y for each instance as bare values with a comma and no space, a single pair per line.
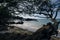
58,34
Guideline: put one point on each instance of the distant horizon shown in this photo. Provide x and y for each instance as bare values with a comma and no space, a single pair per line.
36,16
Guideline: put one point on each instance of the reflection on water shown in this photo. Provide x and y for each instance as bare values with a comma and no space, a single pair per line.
32,25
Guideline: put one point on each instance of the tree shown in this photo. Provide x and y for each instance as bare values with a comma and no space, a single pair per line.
50,14
17,7
5,13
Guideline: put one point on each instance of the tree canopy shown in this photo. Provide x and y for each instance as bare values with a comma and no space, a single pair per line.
12,9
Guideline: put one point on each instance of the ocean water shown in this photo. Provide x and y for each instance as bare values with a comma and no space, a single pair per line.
33,25
45,21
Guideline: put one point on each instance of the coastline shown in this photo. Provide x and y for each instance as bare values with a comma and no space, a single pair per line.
58,34
56,37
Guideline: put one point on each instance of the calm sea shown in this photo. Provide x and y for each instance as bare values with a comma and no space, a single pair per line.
33,25
45,21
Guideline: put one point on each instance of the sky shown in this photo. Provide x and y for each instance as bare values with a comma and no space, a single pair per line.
37,16
58,17
53,1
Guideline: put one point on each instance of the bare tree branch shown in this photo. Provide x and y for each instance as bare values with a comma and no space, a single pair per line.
56,15
47,14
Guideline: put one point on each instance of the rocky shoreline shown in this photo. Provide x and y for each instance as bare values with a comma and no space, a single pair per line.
56,37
